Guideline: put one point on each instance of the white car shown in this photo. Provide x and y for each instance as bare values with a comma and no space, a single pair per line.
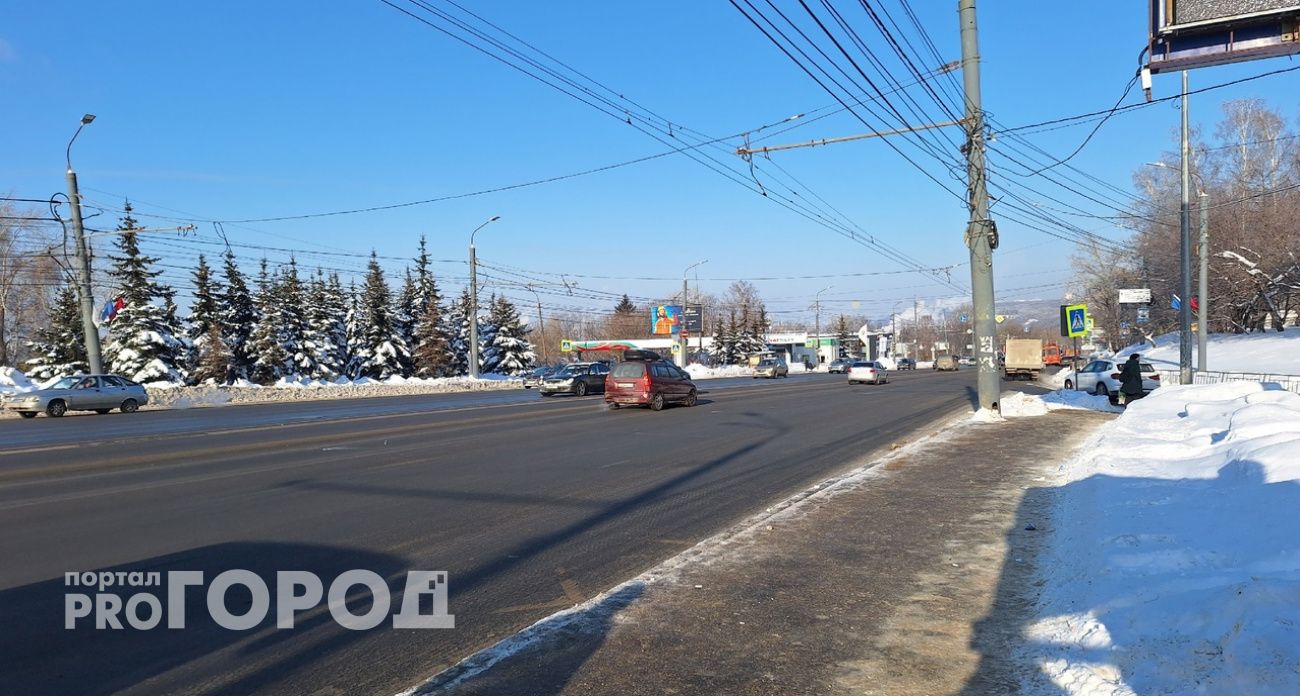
1102,377
862,371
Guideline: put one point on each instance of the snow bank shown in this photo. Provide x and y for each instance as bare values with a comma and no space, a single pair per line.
12,381
1174,565
1021,405
697,371
1275,353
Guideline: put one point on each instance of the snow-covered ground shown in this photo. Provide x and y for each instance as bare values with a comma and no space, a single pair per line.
1174,561
1021,405
1271,352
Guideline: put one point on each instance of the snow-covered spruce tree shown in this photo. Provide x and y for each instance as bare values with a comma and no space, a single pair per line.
510,345
353,332
841,336
144,342
488,355
291,305
432,356
204,314
59,347
405,309
238,316
383,353
213,362
456,329
717,350
265,347
324,337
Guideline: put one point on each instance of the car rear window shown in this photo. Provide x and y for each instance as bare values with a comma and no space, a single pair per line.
629,369
1146,367
862,364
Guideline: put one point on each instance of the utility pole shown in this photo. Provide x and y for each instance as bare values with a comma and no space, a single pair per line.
1203,294
473,299
1185,255
817,325
981,234
683,335
88,328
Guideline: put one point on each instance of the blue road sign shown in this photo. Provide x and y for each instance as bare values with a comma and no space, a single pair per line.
1175,303
1144,315
963,318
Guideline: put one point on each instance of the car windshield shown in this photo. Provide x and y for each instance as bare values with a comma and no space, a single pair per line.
65,383
767,363
571,370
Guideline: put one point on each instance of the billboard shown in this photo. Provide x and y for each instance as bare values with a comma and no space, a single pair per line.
693,318
665,320
1187,34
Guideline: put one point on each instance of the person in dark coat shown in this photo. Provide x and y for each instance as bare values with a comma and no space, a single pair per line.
1130,379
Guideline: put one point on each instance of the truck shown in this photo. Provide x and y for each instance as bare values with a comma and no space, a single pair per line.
1051,354
1024,358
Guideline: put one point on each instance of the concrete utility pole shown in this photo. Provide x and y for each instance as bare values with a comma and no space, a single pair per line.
981,234
87,297
1185,255
473,299
1203,294
685,301
817,324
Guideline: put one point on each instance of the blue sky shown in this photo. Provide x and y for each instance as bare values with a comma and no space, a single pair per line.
243,110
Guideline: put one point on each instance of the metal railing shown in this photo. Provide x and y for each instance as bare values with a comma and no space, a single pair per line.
1290,383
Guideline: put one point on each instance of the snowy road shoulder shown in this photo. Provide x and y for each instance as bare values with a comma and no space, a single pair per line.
1174,565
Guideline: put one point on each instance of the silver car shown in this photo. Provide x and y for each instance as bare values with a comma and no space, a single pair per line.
98,393
771,369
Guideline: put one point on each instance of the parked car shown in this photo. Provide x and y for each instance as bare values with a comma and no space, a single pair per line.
771,368
579,379
98,393
867,371
967,360
644,378
535,377
946,363
840,366
1101,377
906,364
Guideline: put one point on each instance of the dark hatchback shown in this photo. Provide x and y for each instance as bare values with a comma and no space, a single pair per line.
646,379
579,379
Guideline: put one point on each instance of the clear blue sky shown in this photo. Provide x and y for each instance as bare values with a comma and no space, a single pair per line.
242,109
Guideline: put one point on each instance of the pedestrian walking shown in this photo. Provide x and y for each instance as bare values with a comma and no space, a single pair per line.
1130,380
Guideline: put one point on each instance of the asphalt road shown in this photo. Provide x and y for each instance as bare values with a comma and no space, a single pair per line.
529,504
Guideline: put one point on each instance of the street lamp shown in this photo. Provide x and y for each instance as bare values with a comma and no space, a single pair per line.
88,328
1203,282
685,336
817,326
473,299
893,321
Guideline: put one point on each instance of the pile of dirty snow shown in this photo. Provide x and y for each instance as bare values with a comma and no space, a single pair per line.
697,371
1173,564
1020,405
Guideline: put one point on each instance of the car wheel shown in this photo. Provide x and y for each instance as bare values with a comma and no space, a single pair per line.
657,403
1101,390
102,411
580,389
130,406
1069,384
56,408
613,406
690,398
27,414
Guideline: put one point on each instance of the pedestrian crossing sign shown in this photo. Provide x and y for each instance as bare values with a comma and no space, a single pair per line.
1074,320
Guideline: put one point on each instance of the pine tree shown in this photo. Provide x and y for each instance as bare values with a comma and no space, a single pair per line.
59,349
432,356
238,316
489,356
324,339
719,347
144,343
265,347
841,336
291,306
383,353
354,338
456,329
510,346
204,313
625,306
213,363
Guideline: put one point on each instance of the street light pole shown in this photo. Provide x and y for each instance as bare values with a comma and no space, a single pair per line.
88,328
1185,256
473,299
817,324
686,300
1203,293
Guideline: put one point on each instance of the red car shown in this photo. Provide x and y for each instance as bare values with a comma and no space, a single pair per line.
644,378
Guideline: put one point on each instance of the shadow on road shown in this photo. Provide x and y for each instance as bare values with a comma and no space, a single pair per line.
1165,573
40,656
